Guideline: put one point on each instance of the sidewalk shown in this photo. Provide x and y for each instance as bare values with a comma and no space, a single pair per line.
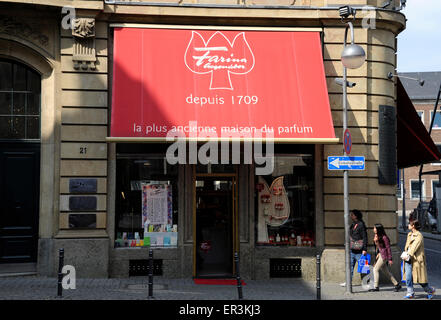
32,287
40,288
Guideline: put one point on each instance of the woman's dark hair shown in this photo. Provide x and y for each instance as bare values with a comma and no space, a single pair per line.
380,233
415,223
358,214
414,215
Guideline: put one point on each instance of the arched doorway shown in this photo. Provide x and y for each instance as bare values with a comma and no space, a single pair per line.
20,118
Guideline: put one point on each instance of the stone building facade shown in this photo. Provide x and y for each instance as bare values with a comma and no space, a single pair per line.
77,160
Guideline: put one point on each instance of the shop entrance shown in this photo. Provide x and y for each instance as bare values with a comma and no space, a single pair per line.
215,224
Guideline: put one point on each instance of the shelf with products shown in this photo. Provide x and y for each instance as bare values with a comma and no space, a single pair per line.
151,236
292,237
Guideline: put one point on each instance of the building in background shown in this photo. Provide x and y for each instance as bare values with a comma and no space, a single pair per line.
423,99
75,176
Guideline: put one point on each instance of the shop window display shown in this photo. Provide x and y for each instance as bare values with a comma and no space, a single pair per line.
285,203
146,202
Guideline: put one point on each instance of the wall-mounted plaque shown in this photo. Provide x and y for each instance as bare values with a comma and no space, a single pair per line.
83,185
77,203
82,221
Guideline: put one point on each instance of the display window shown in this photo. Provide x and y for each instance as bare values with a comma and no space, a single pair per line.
285,202
146,201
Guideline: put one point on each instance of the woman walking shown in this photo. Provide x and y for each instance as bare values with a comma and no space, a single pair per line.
383,257
358,236
415,267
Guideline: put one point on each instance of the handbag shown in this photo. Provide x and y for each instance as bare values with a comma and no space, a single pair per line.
356,244
403,279
363,264
405,256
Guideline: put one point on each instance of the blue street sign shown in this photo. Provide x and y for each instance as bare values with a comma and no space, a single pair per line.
346,163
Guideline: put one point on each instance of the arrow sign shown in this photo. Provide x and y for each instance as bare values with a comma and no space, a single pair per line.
346,163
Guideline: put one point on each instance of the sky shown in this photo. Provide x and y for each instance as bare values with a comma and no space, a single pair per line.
419,45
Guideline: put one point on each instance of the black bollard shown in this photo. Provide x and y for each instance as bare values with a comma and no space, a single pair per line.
239,281
60,269
318,278
150,274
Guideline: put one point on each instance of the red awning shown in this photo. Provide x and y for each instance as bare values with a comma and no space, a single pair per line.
219,84
414,144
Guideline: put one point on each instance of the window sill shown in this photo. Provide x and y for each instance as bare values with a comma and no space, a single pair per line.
280,245
145,248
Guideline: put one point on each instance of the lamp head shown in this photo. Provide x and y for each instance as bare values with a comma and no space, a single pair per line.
353,56
421,82
340,82
346,11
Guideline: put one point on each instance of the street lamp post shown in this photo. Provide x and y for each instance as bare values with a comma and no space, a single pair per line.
352,57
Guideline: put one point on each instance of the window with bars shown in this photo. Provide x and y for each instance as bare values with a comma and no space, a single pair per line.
421,115
436,121
400,192
434,186
20,89
415,189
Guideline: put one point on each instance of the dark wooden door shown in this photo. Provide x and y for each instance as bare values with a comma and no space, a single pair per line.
19,201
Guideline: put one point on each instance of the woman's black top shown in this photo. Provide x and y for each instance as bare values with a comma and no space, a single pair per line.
358,232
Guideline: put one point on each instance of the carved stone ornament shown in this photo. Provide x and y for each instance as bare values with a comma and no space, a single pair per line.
23,30
84,53
83,27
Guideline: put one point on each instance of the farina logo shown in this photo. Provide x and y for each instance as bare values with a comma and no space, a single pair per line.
220,57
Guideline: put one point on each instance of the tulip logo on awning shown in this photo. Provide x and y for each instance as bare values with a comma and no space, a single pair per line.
220,57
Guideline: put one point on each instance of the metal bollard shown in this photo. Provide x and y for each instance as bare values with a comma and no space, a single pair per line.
60,269
150,274
318,278
239,281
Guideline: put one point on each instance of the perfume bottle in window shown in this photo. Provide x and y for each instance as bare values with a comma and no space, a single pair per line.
265,198
299,241
293,240
271,239
279,206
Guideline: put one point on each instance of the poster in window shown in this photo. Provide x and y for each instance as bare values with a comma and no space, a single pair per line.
156,204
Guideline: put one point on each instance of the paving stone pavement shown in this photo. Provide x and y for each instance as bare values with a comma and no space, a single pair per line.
136,288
